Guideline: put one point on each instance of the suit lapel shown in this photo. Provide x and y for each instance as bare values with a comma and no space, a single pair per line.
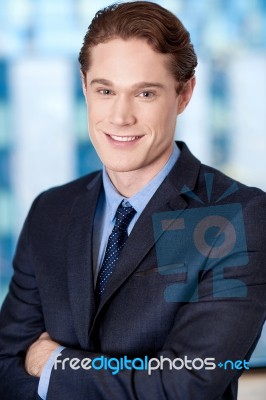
168,197
141,240
79,259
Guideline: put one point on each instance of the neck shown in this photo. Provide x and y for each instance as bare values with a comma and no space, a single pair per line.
129,183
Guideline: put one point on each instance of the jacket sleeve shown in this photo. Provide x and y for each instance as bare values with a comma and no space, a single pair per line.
221,327
21,323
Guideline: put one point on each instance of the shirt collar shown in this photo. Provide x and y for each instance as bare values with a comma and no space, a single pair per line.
141,198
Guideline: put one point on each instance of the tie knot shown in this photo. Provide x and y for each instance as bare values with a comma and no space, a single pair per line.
123,216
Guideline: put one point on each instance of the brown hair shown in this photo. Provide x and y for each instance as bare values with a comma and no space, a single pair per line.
161,29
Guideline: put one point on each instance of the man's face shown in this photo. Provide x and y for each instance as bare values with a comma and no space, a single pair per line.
132,105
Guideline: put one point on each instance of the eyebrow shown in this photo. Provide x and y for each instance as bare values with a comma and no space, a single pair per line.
135,86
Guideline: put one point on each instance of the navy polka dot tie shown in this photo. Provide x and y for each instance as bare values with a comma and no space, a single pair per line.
116,242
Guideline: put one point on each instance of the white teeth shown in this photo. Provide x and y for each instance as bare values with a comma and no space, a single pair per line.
124,138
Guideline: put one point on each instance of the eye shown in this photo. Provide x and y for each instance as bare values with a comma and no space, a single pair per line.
105,92
147,94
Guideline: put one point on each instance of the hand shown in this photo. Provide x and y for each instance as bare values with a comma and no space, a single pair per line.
39,353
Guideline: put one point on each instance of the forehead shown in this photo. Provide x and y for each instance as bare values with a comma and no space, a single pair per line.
129,60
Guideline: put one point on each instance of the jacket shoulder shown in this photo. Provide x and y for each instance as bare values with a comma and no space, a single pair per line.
66,193
225,187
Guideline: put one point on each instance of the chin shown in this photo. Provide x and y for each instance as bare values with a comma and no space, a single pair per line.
118,167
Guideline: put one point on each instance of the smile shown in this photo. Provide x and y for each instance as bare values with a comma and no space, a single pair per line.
123,138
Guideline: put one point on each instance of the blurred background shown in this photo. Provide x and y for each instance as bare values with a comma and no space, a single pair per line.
43,127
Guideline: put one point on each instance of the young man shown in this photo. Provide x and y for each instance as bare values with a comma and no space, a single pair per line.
146,280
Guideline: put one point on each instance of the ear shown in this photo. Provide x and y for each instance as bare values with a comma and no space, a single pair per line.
186,94
84,85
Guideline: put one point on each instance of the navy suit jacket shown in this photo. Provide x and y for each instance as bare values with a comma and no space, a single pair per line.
180,288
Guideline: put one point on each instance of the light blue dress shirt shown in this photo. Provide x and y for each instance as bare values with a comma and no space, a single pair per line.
108,203
104,221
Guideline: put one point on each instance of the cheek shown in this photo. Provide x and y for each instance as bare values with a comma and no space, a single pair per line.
171,116
94,116
150,117
164,114
164,123
96,109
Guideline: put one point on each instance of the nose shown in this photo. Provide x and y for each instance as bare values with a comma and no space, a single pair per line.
122,111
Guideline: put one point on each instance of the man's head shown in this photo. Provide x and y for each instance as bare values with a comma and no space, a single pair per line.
161,29
137,67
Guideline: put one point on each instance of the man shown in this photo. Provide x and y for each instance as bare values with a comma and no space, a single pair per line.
146,280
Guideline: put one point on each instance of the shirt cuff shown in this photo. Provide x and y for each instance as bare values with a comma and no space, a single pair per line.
46,373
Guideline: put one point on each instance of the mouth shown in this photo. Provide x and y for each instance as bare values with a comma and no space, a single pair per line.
120,139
